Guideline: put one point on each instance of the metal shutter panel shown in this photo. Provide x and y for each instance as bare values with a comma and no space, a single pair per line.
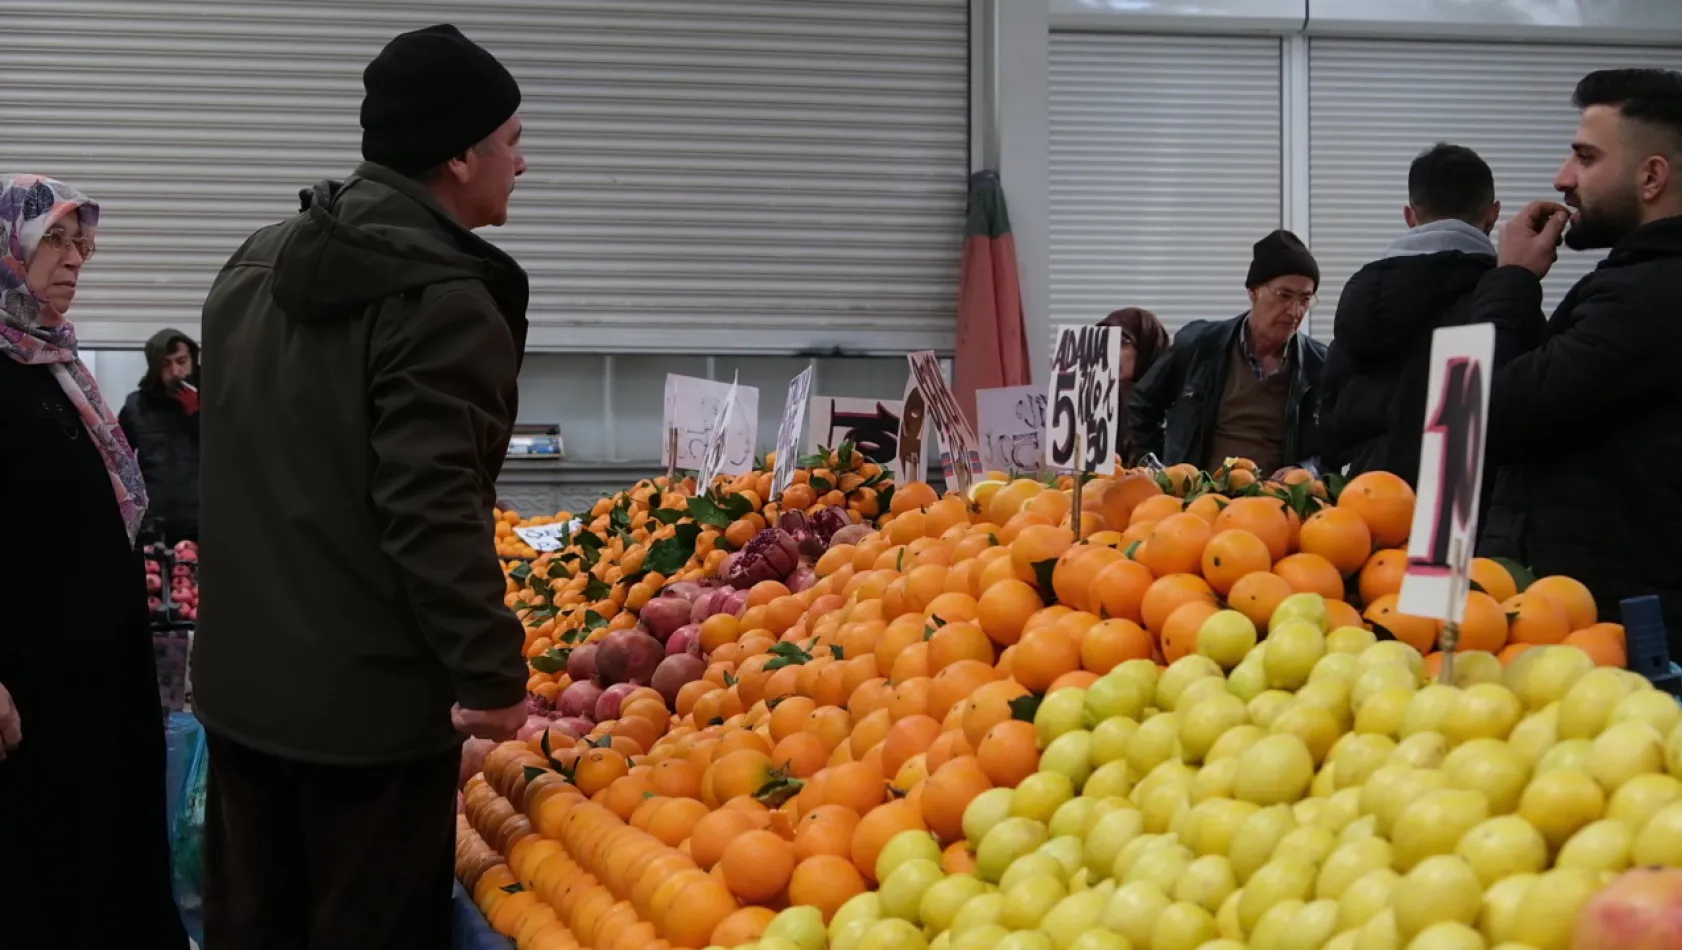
1375,105
706,175
1165,169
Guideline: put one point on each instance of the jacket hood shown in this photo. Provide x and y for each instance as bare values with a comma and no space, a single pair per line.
1437,236
373,236
158,347
1396,301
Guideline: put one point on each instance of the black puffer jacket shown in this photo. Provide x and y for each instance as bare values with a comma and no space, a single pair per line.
1379,363
1175,405
1587,426
166,438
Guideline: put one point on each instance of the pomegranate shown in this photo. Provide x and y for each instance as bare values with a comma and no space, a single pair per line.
1641,910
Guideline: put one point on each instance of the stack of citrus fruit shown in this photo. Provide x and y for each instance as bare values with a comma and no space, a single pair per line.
847,732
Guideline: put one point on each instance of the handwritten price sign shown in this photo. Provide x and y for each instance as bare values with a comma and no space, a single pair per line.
788,431
1011,420
1084,399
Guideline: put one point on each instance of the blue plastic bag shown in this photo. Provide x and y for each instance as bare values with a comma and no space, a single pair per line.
187,771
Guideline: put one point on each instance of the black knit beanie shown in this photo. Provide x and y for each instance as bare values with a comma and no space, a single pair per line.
431,95
1279,254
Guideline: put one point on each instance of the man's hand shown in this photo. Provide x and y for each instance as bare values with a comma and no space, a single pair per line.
11,725
498,725
1531,238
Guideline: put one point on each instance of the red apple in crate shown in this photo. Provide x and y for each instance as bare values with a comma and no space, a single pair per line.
1641,910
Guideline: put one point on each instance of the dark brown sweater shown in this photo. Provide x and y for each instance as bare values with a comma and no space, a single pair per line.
1250,422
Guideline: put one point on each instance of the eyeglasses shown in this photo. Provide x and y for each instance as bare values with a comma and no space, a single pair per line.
1292,299
61,239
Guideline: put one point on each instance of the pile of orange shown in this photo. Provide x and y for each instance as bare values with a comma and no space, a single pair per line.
899,687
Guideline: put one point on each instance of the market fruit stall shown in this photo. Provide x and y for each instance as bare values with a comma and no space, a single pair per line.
866,716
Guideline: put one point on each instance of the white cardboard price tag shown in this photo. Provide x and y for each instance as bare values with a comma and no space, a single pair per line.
1445,513
548,537
694,407
788,431
1011,421
872,425
961,461
1084,399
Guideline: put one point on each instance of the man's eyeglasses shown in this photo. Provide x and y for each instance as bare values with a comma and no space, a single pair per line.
62,239
1293,299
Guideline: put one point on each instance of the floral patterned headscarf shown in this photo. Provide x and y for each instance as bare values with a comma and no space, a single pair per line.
29,206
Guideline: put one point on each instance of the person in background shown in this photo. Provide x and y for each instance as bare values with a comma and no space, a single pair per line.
1143,340
1372,411
1247,387
161,420
352,626
84,846
1585,425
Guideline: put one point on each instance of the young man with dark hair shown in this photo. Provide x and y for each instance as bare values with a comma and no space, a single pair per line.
352,627
1379,362
1586,424
161,420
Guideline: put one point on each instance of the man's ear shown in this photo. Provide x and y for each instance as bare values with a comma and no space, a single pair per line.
1409,216
1491,216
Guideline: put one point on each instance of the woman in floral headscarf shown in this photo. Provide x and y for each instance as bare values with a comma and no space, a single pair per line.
1143,340
84,854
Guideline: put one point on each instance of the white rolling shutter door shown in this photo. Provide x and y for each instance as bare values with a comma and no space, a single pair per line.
706,175
1375,105
1165,169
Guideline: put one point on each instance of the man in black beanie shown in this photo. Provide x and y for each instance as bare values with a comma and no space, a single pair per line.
1246,387
352,626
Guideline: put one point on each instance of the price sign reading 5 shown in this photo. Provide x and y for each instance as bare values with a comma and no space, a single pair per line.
1083,400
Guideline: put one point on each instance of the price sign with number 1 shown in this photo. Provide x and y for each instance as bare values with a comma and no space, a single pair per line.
1445,516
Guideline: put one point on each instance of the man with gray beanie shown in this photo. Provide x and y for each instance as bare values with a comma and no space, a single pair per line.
1246,387
352,626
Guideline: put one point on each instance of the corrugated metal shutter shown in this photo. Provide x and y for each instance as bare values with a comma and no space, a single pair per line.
1375,105
1165,169
706,175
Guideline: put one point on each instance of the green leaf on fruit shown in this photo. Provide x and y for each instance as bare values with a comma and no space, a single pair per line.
602,742
1164,482
787,654
1042,574
816,460
729,679
1024,708
520,573
821,486
533,771
716,721
777,792
992,540
737,506
620,516
669,515
596,589
1132,549
885,498
1522,576
513,888
551,661
593,621
899,560
1334,482
669,555
705,512
836,650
